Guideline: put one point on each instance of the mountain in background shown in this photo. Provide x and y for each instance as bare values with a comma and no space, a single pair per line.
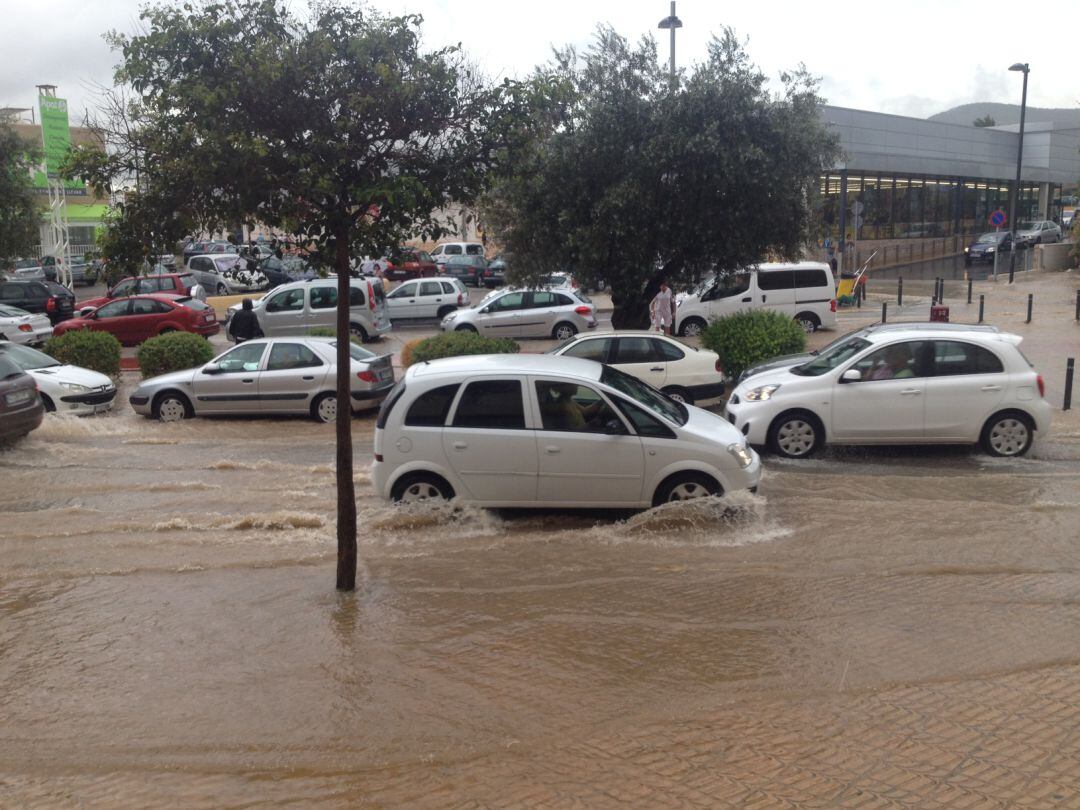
1009,114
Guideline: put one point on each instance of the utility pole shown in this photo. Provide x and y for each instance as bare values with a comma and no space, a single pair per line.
671,23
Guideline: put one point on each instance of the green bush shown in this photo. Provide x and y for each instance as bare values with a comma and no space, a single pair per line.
99,351
173,351
326,331
747,338
456,344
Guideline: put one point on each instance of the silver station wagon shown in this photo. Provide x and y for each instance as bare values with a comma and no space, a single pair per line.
558,314
267,376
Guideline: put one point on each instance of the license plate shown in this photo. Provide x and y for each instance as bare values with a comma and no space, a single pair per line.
18,397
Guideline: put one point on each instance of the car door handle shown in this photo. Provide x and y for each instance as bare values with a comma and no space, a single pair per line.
656,368
747,300
307,378
552,449
911,392
990,388
763,299
247,381
460,445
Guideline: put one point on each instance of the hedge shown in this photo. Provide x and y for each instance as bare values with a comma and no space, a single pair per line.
99,351
173,351
747,338
456,344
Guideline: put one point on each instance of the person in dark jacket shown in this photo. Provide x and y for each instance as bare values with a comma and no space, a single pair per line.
244,325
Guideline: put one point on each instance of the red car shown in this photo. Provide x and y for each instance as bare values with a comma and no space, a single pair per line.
132,320
169,283
408,263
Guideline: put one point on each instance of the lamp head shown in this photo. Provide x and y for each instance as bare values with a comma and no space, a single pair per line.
1020,66
670,22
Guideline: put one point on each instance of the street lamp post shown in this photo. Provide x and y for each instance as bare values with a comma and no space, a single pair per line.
671,23
1014,200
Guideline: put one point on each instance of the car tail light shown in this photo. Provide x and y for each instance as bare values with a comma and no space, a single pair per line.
25,327
489,273
583,310
832,305
378,457
371,297
51,304
1042,385
366,376
719,368
459,299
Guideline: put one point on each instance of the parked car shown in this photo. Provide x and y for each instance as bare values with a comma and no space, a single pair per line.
1038,232
225,274
684,373
28,268
209,246
984,248
469,269
298,307
139,317
64,388
407,263
526,313
33,295
536,430
195,247
296,375
20,406
445,250
183,284
921,385
78,270
22,327
805,291
427,298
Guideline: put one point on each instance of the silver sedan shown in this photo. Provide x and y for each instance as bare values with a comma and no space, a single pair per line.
267,376
558,314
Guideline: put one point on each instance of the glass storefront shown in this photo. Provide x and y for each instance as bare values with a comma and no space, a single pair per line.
909,206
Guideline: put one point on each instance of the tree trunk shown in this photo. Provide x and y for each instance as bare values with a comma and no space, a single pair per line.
346,494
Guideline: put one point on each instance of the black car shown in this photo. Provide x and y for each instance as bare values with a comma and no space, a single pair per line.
984,248
21,409
34,295
469,269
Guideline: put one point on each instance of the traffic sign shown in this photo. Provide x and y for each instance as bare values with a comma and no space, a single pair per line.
998,218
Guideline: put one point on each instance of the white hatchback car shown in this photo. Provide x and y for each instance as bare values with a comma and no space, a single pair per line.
926,384
65,389
19,326
537,430
426,298
682,372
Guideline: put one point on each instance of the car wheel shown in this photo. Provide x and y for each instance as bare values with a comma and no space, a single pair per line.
324,408
679,394
686,486
46,400
692,327
417,487
1008,434
172,407
222,289
796,434
465,327
444,311
166,330
357,331
808,321
563,331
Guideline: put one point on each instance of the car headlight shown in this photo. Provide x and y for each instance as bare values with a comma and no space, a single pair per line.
990,250
741,454
761,393
74,387
967,250
449,317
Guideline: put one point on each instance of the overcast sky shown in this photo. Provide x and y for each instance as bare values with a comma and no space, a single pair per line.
915,58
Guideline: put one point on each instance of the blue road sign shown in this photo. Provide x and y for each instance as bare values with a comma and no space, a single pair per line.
997,219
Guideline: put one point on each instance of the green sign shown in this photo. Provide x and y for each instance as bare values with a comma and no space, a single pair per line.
56,138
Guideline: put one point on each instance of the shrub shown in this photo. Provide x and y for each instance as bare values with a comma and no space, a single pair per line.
99,351
173,351
326,331
747,338
456,344
407,352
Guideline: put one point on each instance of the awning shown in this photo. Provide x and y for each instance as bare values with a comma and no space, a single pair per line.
86,213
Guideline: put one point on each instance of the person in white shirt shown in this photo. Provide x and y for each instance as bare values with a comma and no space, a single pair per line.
662,309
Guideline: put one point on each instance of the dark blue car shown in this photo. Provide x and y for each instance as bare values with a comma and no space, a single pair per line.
984,248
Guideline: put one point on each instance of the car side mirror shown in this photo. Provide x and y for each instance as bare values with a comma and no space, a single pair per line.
485,310
613,427
851,375
86,312
211,368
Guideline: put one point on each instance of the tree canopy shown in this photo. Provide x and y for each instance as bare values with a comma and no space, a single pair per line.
20,212
642,176
985,121
331,123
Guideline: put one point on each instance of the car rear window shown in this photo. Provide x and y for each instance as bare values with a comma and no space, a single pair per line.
430,408
491,404
8,369
388,404
776,280
811,278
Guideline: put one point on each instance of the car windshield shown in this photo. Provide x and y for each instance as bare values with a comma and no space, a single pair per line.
645,395
26,358
12,312
992,238
831,357
703,285
1027,226
226,263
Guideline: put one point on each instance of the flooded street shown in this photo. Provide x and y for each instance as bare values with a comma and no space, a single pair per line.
882,627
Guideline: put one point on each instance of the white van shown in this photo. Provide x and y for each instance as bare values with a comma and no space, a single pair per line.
447,249
806,291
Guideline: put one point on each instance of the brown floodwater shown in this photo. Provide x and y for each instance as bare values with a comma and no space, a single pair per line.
882,627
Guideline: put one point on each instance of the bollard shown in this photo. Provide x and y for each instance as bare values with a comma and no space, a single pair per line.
941,291
900,295
1068,384
1012,263
884,310
969,289
982,300
858,296
1031,297
1078,305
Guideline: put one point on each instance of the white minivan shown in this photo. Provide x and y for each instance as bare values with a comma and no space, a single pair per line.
805,291
511,430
